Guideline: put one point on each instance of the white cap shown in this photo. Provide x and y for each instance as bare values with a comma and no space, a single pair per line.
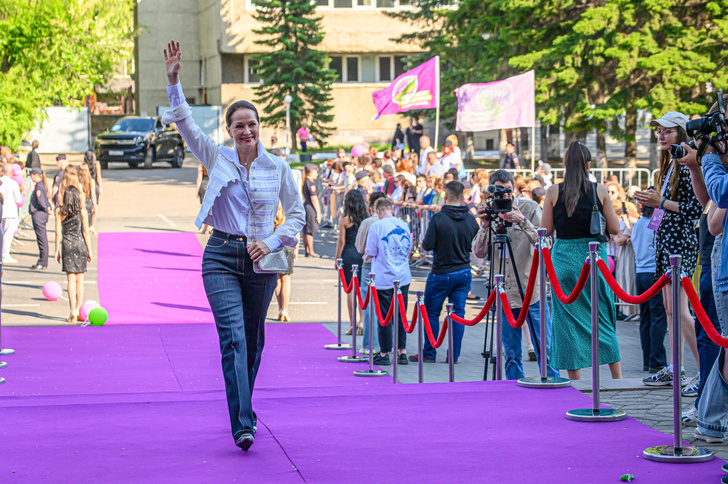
670,120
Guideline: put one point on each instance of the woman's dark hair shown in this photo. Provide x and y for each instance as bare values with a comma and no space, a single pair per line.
374,196
239,105
71,201
454,172
355,207
88,159
576,176
665,162
647,211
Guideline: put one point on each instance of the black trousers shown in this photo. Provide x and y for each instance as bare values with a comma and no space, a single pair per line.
40,220
386,334
653,324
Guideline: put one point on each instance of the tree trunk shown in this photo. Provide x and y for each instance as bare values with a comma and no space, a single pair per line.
525,146
601,160
543,143
553,150
504,138
630,138
469,146
570,137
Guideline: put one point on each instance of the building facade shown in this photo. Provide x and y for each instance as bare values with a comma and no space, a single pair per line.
217,41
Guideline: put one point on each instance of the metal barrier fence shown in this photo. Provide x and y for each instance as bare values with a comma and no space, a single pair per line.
641,177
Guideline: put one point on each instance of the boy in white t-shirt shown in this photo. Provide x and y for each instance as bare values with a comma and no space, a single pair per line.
388,244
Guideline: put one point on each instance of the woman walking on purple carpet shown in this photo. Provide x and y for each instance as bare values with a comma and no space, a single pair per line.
244,253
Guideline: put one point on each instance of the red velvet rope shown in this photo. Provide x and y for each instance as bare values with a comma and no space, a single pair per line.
347,289
403,315
363,303
700,313
382,321
472,322
516,323
622,294
428,329
555,281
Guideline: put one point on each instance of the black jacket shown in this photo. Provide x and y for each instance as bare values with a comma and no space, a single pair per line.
450,236
39,203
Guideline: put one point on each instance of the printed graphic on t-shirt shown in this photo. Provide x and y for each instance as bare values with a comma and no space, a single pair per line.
396,246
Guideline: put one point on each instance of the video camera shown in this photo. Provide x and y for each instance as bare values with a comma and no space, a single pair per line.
703,128
497,203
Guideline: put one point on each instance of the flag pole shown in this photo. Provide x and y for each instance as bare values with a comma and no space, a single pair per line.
533,148
437,111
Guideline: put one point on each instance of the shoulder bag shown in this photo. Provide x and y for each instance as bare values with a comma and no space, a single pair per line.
598,224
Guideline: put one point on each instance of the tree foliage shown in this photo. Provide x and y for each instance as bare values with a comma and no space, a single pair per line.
595,61
57,51
293,66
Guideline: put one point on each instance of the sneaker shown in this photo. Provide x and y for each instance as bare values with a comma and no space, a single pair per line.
691,389
9,260
663,378
246,440
725,468
380,360
38,268
690,417
698,435
402,359
364,351
531,353
416,358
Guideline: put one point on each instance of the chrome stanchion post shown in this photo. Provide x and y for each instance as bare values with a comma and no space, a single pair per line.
394,323
339,345
543,381
3,351
677,452
354,358
450,342
420,337
596,413
2,380
499,328
372,317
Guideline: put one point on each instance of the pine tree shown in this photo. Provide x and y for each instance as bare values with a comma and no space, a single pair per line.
292,66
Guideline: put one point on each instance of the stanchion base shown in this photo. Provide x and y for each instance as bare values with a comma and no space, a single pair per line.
3,364
687,455
370,373
538,382
354,359
603,415
6,351
336,346
2,380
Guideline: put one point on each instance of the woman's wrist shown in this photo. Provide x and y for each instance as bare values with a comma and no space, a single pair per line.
662,203
172,80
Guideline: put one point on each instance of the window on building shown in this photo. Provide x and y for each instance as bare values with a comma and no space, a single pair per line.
343,4
253,77
322,3
400,66
337,66
391,67
233,68
385,3
489,145
352,69
385,68
364,3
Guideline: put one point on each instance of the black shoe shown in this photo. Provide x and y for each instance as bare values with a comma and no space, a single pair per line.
447,360
380,360
245,440
255,422
38,267
645,368
402,359
415,359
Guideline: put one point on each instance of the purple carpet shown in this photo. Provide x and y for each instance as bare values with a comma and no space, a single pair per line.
152,278
145,403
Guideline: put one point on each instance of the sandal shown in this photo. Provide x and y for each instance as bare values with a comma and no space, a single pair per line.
348,332
283,316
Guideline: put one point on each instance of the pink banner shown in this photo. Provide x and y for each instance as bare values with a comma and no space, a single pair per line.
497,105
415,89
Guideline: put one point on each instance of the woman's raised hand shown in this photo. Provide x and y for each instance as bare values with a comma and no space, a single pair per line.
173,62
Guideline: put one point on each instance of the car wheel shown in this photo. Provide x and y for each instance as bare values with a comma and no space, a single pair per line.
104,165
133,164
149,157
179,157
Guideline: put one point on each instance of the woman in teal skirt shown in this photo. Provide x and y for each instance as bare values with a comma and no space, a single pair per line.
567,210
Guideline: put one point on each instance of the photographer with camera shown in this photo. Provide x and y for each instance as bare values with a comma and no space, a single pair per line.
517,218
712,151
677,208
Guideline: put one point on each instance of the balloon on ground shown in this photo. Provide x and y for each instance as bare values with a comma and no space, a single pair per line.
98,316
86,308
52,290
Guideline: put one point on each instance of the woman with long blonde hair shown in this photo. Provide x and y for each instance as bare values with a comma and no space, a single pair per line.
283,286
88,187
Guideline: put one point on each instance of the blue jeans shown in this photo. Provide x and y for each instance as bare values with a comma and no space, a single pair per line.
512,345
365,270
707,350
239,299
455,287
653,324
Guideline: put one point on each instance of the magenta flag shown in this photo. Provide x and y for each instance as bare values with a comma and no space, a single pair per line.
418,88
497,105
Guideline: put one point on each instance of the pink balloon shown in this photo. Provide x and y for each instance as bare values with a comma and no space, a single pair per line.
358,150
610,261
86,309
52,290
22,200
18,178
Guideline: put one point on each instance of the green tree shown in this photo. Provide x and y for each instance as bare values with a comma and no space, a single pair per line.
57,51
293,66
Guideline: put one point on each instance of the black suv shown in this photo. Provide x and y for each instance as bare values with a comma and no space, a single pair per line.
140,141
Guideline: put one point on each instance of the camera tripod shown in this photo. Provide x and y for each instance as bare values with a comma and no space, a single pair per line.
499,237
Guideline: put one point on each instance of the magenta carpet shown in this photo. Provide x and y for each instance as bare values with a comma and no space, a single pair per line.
145,403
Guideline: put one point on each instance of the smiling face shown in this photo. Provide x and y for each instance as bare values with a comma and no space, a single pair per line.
244,129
